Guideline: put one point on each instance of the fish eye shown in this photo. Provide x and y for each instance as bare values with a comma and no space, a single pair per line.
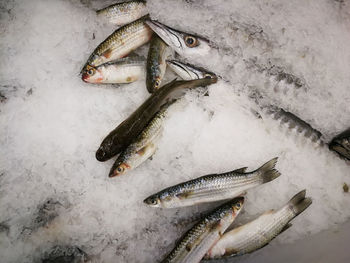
154,201
157,83
120,169
191,41
238,205
208,76
91,72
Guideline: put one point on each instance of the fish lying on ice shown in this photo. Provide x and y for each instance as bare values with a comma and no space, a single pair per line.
120,43
187,71
183,43
124,70
213,187
158,52
123,13
261,231
341,144
143,147
201,237
118,139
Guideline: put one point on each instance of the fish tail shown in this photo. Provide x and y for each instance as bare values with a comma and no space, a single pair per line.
268,171
299,203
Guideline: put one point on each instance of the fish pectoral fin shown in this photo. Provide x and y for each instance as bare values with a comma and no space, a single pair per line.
286,227
240,170
107,53
143,150
184,195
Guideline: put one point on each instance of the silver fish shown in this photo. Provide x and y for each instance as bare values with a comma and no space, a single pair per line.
124,70
213,187
261,231
200,238
183,43
123,13
120,43
188,72
143,147
158,52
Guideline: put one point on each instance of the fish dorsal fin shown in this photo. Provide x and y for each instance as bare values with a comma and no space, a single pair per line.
240,170
286,227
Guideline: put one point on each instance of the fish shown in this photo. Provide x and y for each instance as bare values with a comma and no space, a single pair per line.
158,52
143,147
213,187
120,43
341,144
202,236
124,70
259,232
183,43
187,71
123,13
118,139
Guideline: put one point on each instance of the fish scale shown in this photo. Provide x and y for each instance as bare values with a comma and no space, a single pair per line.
121,42
123,13
197,241
260,231
213,187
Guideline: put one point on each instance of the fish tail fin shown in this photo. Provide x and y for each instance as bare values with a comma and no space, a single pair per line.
299,203
268,171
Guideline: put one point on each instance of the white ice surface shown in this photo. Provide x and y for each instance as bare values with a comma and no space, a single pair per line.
52,123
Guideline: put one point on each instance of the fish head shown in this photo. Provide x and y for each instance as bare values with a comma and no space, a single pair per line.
153,82
189,72
92,75
153,201
108,149
237,205
183,43
119,168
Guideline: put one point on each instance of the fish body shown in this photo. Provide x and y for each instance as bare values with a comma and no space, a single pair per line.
213,187
187,71
118,139
124,70
341,144
123,13
183,43
158,52
201,237
143,147
120,43
261,231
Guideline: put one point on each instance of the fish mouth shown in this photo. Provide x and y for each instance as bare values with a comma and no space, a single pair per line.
170,36
85,77
101,155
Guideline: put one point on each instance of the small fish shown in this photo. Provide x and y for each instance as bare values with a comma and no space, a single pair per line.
259,232
143,147
118,139
341,144
158,52
183,43
187,71
213,187
120,43
200,238
124,70
123,13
